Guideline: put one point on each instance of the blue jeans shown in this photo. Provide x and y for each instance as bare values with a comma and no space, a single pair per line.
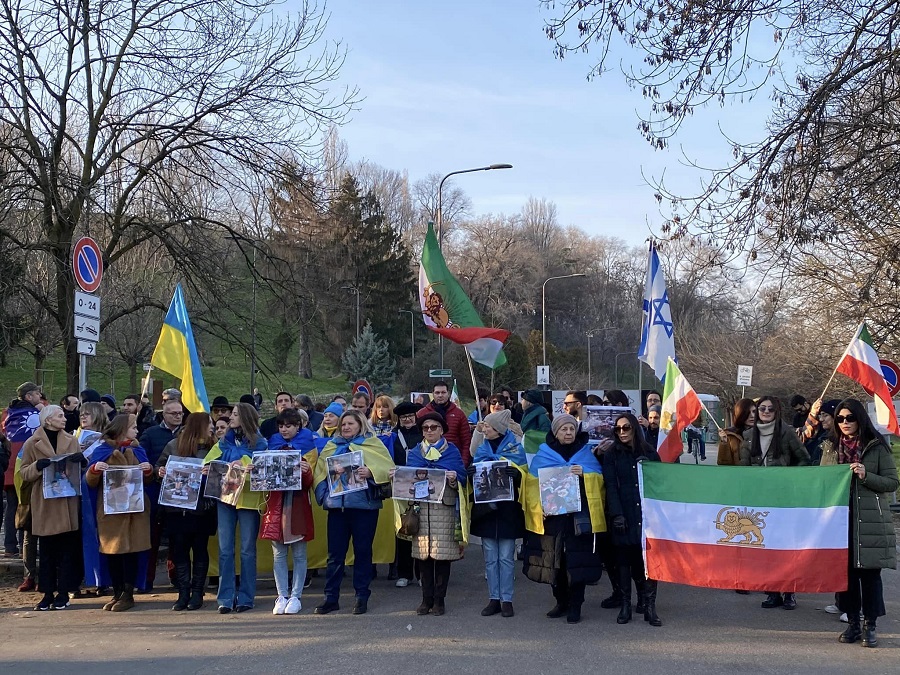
229,519
280,568
342,525
500,565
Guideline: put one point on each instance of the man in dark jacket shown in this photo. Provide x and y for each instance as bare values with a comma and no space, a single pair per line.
283,401
534,416
458,431
70,405
146,417
315,417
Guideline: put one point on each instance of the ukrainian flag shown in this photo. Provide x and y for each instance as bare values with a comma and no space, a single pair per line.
176,354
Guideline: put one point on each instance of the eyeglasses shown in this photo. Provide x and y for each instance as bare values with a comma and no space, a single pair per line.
177,414
430,427
622,429
569,402
407,417
766,408
840,419
286,424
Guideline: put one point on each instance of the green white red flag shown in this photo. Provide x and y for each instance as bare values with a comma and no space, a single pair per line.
680,407
747,528
448,311
861,364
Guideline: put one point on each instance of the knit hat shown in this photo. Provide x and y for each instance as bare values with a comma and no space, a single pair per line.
434,417
334,408
90,396
48,410
534,396
407,408
110,399
559,420
654,408
830,406
499,420
26,388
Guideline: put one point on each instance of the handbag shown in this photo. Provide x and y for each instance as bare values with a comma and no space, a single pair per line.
409,521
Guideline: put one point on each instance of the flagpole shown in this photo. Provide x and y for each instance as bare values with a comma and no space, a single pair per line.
146,382
640,340
474,384
703,405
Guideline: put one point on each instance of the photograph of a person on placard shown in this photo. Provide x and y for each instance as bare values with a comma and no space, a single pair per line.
123,491
560,491
181,483
599,421
492,484
342,476
419,484
276,471
224,482
61,479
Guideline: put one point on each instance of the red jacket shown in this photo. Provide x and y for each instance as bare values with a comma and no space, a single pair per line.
300,520
458,431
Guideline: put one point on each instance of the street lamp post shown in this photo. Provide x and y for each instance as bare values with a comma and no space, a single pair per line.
591,334
440,218
544,310
354,289
412,332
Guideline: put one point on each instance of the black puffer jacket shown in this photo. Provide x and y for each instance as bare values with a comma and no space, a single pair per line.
623,496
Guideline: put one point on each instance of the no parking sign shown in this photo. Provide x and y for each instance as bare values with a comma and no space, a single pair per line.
87,264
891,375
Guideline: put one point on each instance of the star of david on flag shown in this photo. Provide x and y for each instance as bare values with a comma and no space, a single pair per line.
657,331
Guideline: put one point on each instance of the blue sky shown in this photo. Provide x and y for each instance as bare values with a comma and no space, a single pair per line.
454,85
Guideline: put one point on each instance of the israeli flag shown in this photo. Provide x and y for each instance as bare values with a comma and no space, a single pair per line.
657,332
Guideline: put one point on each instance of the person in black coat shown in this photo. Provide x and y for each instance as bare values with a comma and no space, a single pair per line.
406,436
623,512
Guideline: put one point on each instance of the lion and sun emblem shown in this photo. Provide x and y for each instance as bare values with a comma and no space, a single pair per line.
738,522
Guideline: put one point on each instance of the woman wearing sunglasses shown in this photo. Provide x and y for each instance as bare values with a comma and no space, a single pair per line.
873,544
623,512
772,443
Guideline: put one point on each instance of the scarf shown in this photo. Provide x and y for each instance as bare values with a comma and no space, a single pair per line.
442,455
383,428
766,433
506,448
848,452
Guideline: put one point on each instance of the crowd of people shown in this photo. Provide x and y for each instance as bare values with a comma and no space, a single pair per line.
84,546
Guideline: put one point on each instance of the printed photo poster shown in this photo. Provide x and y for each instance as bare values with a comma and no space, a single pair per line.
276,471
123,490
62,478
560,491
224,482
491,482
419,484
342,473
181,484
599,421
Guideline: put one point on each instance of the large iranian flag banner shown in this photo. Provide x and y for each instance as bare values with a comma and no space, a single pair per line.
746,528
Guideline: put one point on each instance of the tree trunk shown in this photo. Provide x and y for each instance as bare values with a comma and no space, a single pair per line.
304,368
132,378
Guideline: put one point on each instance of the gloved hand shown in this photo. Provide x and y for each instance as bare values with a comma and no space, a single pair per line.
77,457
515,474
42,464
470,470
619,523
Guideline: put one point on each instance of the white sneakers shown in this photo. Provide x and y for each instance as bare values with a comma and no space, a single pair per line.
402,583
287,606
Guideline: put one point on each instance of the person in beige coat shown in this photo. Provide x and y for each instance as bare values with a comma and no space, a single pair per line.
53,520
122,535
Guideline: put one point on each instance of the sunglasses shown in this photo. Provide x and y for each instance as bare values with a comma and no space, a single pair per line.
840,419
430,427
766,408
623,429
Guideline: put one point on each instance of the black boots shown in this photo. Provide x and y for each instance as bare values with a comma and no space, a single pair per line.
184,596
869,639
573,615
853,632
493,607
625,612
772,600
558,610
650,616
625,594
614,600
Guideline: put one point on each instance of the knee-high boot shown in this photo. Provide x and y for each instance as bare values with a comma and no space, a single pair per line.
625,586
198,579
650,615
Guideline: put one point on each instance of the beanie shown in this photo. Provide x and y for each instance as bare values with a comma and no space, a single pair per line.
559,420
499,420
335,409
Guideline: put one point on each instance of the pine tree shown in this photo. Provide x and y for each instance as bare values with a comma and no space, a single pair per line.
368,358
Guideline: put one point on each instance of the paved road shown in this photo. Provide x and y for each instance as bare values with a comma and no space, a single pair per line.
705,631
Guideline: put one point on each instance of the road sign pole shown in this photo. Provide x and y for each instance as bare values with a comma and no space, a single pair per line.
82,373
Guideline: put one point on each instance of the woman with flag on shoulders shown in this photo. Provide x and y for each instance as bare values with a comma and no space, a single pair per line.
330,421
499,524
240,442
441,537
873,542
623,511
353,514
561,550
770,442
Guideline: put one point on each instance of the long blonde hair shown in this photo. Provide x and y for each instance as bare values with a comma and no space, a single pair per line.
383,398
365,427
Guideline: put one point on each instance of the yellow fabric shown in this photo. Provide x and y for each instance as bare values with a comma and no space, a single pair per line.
375,456
432,454
530,498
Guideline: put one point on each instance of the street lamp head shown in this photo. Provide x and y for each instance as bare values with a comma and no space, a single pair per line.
500,166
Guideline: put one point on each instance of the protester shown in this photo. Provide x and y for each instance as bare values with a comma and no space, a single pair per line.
512,403
872,542
651,432
561,550
481,407
458,432
283,401
146,417
54,521
330,420
304,402
108,401
122,535
772,443
288,520
93,423
499,524
220,407
353,514
574,404
221,428
69,403
731,439
382,416
437,545
189,530
360,403
623,513
801,409
406,436
534,414
817,434
240,443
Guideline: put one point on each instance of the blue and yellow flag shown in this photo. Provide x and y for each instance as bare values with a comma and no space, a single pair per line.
176,354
